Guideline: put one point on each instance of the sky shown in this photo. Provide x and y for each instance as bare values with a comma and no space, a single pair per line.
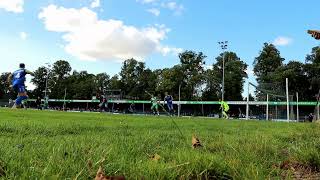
98,35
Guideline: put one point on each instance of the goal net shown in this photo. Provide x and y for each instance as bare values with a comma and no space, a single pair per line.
271,102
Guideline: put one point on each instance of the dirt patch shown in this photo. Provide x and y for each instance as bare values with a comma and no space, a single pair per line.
208,174
297,170
101,176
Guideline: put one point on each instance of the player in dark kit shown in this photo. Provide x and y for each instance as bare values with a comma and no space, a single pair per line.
169,100
38,103
17,80
103,103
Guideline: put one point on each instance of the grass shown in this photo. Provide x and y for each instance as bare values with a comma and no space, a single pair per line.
59,145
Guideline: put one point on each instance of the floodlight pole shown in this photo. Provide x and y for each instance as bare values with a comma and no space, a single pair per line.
287,92
248,99
224,46
64,99
267,113
48,69
297,94
46,89
179,105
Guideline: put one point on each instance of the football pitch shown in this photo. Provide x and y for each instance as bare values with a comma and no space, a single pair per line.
60,145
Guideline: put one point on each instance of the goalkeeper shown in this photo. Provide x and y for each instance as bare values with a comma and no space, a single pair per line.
155,105
225,108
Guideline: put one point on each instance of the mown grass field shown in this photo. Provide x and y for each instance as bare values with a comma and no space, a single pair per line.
58,145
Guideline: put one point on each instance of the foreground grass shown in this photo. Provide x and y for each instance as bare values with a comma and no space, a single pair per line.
57,145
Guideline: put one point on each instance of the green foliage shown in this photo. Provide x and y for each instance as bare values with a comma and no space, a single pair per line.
235,74
193,72
4,85
39,80
169,80
267,62
303,78
135,78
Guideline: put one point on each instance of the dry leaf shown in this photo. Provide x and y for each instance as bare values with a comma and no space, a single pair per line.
195,142
156,157
101,176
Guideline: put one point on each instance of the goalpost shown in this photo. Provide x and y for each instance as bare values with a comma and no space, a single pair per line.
274,103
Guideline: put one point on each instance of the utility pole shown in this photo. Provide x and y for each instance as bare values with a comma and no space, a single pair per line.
224,46
46,89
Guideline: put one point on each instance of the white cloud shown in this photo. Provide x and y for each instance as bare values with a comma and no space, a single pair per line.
163,4
165,50
89,38
95,4
15,6
146,1
154,11
173,6
282,41
23,35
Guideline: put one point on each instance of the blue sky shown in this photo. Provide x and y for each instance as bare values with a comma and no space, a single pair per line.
98,35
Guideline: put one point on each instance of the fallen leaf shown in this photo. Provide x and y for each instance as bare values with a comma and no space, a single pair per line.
195,142
156,157
101,176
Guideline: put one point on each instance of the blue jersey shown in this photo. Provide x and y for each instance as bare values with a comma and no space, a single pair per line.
168,99
19,77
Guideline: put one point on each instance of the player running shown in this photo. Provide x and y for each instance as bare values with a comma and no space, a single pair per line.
225,108
155,105
17,80
169,99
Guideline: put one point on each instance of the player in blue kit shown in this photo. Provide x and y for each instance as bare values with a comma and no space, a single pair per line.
17,80
169,99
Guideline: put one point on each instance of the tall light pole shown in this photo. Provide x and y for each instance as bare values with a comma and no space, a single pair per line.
46,89
224,47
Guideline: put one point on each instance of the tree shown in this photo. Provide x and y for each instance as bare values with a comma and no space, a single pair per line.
192,67
268,61
135,79
235,74
60,71
314,57
147,80
169,80
212,90
130,71
298,80
312,68
102,81
5,86
39,80
115,82
80,85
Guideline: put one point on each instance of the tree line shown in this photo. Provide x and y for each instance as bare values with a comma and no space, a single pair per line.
196,81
